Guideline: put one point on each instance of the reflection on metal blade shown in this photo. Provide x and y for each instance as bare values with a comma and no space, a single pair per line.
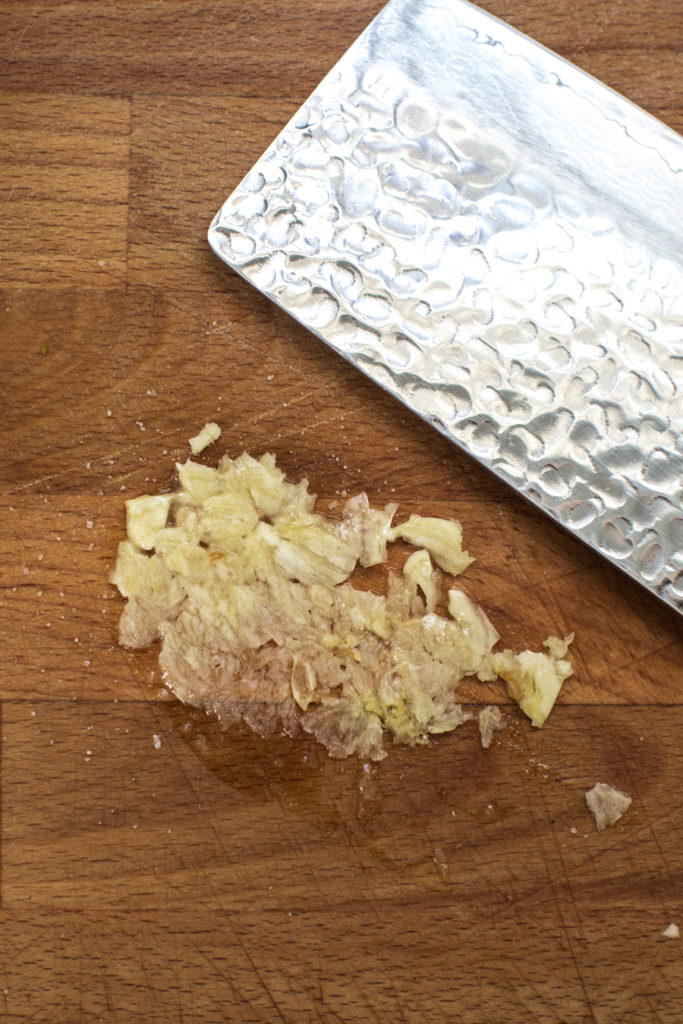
496,239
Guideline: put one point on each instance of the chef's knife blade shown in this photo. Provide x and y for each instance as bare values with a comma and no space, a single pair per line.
497,239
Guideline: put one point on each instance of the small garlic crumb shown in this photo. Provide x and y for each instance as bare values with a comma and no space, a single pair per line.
672,931
607,805
157,741
490,720
209,433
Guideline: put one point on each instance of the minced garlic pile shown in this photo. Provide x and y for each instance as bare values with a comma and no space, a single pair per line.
248,589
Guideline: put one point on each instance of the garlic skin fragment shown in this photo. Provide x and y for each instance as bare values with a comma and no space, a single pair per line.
249,590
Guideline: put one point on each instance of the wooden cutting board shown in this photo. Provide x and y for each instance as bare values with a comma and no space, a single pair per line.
153,868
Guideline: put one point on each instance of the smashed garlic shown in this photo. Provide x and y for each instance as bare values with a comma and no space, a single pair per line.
534,678
419,570
247,587
441,537
145,517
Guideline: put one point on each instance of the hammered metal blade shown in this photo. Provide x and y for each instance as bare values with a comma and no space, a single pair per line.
497,239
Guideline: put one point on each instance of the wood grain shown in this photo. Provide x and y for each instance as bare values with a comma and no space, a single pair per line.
153,867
